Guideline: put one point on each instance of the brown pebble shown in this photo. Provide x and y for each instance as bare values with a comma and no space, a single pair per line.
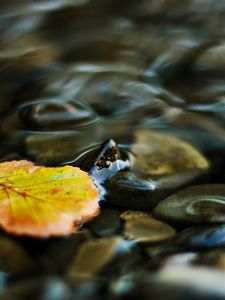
142,228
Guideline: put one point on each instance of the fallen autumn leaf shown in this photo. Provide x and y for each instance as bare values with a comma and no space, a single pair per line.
41,202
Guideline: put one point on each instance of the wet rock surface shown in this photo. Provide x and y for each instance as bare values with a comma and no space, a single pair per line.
195,204
50,114
142,228
50,129
108,162
14,260
159,154
133,93
39,288
106,224
202,283
95,255
162,164
203,237
138,191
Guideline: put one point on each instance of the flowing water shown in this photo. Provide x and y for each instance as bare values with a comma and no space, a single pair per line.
149,75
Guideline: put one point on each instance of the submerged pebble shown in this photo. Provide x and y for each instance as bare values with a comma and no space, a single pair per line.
194,204
54,149
106,224
132,190
39,288
164,250
203,237
52,130
162,164
108,162
94,255
144,229
185,282
49,260
49,115
159,154
14,260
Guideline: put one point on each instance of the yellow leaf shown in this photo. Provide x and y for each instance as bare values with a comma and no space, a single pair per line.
42,202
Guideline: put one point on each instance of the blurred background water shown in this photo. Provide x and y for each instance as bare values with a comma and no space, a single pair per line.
92,70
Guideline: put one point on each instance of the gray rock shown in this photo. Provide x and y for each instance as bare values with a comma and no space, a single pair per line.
195,204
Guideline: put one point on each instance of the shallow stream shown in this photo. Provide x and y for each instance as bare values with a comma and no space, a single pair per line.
146,80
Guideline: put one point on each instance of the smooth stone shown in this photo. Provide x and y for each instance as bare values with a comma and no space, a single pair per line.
14,260
171,283
162,164
129,215
131,190
213,258
102,162
187,282
108,162
37,288
179,260
95,255
159,154
194,204
52,131
49,115
67,246
56,148
164,250
108,155
144,229
106,224
203,237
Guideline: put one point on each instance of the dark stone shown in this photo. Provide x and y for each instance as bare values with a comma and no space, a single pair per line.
135,191
203,237
43,288
65,247
194,204
49,115
163,250
172,283
102,256
108,162
106,224
52,130
14,259
162,164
